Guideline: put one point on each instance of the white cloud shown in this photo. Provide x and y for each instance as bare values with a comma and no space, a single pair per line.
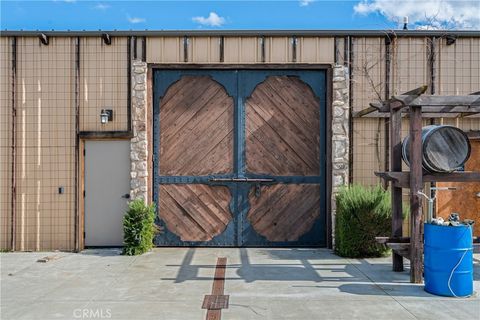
304,3
102,6
426,14
213,20
135,19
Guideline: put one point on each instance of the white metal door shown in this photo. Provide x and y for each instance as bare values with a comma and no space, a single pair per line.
107,185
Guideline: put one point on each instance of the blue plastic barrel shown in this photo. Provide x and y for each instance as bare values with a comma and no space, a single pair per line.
448,260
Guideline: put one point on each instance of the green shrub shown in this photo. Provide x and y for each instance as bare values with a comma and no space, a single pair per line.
139,228
363,213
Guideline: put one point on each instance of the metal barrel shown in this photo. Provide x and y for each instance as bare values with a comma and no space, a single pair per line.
444,148
448,260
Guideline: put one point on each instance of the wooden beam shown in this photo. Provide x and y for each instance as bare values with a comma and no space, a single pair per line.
416,185
376,105
396,165
385,106
417,91
364,112
384,240
474,134
455,112
400,249
408,97
401,179
438,101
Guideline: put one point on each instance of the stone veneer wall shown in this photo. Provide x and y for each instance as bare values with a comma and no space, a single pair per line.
139,143
340,137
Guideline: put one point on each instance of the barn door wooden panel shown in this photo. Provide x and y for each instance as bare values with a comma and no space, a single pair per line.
285,141
196,119
282,128
194,142
284,212
195,212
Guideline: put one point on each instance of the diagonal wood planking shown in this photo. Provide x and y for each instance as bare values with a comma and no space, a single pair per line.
196,128
195,212
284,212
196,138
282,128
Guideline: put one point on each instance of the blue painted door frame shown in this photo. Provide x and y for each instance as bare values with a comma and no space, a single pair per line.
239,84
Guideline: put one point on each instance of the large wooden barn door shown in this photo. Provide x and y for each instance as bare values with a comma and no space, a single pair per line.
284,142
240,157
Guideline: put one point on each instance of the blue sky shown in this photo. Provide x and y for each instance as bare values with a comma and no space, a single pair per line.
194,15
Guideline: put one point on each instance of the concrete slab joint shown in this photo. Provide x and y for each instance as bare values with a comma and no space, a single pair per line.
139,142
340,134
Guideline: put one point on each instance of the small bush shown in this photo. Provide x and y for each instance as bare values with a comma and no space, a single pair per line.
363,213
139,228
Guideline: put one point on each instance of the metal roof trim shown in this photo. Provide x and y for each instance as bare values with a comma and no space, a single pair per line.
298,33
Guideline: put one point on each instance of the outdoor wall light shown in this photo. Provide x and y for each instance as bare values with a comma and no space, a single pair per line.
106,115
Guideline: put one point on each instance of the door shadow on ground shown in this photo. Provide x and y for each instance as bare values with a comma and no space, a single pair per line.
291,265
320,267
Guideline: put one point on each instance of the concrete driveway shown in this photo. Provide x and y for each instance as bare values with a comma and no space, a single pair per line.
170,283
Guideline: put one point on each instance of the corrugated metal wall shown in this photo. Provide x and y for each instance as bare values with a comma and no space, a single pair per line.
103,83
239,50
5,141
456,71
459,66
45,101
45,130
45,144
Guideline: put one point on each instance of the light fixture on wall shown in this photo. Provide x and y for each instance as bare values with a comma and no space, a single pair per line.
106,115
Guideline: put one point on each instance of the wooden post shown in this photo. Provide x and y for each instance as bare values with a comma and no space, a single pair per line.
396,165
416,184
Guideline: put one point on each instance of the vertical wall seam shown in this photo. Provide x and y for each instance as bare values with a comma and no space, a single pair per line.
134,39
432,60
185,49
335,50
144,49
388,42
329,160
77,145
294,49
222,49
14,146
350,108
262,50
129,85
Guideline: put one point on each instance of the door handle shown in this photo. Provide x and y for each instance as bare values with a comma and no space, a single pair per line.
126,196
252,180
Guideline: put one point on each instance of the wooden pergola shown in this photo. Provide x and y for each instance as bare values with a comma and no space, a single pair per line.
415,105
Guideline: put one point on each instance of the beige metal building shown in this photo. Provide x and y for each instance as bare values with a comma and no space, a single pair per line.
64,174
